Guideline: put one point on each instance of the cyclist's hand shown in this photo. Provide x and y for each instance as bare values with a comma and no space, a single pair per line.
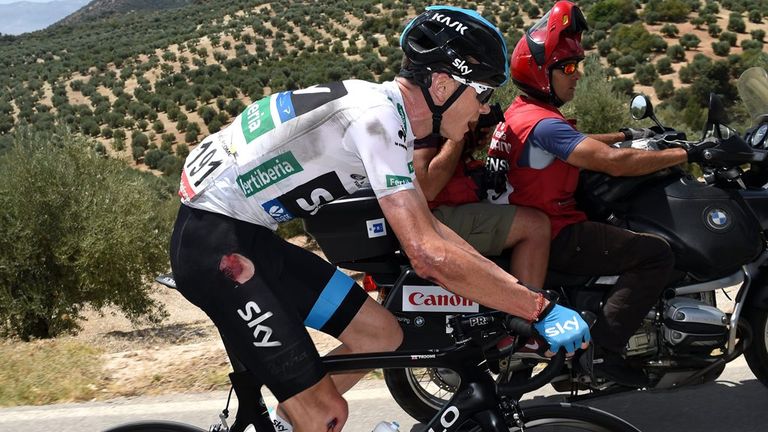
563,328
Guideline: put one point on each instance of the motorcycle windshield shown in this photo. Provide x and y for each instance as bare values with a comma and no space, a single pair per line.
753,89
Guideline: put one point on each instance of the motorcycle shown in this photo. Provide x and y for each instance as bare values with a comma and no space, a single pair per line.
716,225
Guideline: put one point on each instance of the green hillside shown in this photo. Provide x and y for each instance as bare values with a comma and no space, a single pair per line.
102,8
149,83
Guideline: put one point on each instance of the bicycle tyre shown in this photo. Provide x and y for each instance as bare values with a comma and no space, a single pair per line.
565,416
155,426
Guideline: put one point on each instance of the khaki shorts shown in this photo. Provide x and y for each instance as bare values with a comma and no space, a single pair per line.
485,226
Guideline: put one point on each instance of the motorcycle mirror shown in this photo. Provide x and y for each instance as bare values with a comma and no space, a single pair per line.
641,107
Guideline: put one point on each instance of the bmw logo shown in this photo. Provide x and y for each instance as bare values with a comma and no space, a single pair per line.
717,219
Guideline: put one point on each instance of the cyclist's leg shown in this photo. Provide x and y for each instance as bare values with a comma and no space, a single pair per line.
374,329
342,309
227,268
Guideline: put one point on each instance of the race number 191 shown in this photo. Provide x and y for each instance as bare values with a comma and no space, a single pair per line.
201,163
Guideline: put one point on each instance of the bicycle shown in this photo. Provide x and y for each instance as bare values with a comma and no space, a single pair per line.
479,403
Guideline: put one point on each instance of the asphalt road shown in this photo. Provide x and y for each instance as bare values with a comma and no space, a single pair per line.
735,402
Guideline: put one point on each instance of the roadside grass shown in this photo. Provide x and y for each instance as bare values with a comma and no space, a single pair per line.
44,372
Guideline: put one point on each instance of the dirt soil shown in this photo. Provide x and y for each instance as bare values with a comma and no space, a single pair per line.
183,354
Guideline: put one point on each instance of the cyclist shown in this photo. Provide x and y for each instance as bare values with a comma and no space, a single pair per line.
294,151
544,152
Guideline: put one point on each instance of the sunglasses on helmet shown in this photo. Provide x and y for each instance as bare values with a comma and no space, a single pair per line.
484,92
568,68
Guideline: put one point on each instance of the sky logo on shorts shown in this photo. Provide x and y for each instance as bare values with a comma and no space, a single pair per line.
270,172
277,211
394,180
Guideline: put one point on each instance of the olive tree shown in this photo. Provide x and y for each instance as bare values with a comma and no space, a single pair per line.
78,230
596,105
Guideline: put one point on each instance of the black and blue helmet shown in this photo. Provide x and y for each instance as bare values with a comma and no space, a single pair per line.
457,41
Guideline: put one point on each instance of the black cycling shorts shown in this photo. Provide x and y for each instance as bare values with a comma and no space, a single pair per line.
262,319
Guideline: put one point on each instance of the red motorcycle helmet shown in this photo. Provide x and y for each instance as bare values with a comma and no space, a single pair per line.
554,39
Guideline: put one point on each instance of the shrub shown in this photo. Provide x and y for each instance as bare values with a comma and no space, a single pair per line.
736,24
751,44
645,74
612,11
152,157
664,88
714,30
729,37
690,41
139,139
62,247
669,30
664,66
721,48
758,34
626,64
676,53
137,152
599,108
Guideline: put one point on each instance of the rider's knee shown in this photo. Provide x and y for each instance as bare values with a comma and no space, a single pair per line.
536,222
656,249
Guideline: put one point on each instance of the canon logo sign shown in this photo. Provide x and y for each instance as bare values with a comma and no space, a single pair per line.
432,298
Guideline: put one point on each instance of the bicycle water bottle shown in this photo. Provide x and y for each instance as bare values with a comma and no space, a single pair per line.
384,426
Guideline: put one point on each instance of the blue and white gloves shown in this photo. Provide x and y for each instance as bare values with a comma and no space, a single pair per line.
562,328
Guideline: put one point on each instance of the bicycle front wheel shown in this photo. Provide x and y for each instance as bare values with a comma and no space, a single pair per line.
565,417
155,426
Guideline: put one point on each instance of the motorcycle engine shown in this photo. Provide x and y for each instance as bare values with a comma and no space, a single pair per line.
692,326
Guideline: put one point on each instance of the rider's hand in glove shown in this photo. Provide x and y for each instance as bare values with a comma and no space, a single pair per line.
562,328
637,133
696,151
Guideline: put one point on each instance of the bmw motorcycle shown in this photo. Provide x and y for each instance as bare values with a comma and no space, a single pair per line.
716,224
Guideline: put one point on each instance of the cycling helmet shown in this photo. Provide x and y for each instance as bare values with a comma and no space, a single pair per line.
456,41
553,40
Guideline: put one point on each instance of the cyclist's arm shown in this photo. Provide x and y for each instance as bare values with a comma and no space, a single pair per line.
442,257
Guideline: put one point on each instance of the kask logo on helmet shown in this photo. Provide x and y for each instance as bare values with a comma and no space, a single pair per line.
456,25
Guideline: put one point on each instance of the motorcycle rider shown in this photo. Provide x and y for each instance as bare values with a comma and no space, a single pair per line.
291,152
449,177
541,153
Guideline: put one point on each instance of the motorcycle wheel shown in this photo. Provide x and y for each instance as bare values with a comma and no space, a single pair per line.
757,352
421,392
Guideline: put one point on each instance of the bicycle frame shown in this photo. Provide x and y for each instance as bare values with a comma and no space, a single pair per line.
478,398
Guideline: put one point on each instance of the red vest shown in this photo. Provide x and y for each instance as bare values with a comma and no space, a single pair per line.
460,189
549,189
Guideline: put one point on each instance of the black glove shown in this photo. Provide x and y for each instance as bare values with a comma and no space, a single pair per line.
633,134
696,150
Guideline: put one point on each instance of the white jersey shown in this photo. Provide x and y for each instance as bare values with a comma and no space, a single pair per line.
292,152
